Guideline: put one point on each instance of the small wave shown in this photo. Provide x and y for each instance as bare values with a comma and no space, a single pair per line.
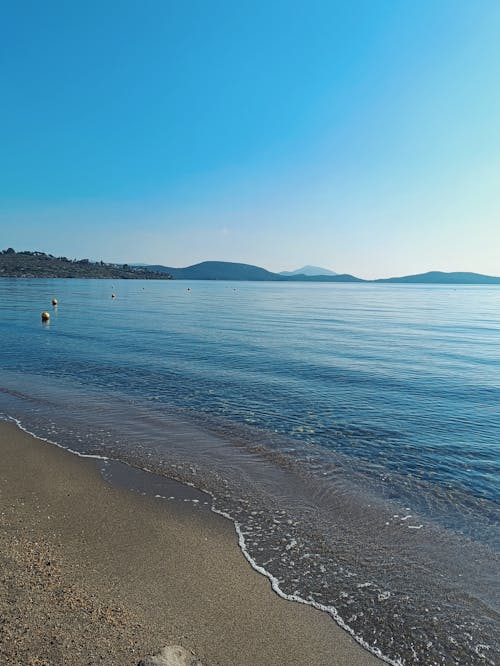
275,584
93,456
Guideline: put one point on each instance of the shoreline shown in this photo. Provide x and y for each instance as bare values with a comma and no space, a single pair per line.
93,572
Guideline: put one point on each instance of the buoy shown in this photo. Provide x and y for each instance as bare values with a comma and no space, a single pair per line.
113,296
54,301
45,316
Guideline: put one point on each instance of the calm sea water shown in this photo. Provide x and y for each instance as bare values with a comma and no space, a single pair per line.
351,431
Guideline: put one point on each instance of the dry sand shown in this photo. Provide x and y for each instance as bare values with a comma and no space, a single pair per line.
94,574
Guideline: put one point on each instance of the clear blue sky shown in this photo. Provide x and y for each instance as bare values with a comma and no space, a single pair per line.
360,136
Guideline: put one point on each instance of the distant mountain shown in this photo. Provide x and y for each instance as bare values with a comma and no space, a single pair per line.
438,277
309,270
225,270
29,264
343,277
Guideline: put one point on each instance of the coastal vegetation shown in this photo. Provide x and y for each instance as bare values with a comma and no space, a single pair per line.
27,264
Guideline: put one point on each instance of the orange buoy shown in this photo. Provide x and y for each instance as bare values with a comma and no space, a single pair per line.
54,301
45,316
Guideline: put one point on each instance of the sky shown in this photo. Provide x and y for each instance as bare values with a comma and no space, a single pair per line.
360,136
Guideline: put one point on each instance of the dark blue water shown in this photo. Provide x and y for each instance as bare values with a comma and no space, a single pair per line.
365,419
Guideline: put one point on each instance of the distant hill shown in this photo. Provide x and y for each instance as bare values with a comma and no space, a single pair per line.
438,277
225,270
217,270
28,264
308,270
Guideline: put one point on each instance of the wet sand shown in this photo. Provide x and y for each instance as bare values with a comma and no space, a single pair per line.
92,574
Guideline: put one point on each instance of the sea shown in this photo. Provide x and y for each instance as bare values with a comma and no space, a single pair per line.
351,432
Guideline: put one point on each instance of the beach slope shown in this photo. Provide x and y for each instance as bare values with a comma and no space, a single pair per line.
95,574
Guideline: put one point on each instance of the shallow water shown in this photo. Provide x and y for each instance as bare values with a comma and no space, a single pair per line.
352,431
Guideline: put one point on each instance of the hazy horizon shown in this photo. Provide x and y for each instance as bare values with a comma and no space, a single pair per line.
361,137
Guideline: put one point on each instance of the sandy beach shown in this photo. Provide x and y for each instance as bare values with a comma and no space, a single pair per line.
96,574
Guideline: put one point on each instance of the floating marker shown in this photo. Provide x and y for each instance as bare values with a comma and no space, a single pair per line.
113,296
45,316
54,301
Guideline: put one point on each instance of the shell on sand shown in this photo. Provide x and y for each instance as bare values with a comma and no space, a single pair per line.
171,655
